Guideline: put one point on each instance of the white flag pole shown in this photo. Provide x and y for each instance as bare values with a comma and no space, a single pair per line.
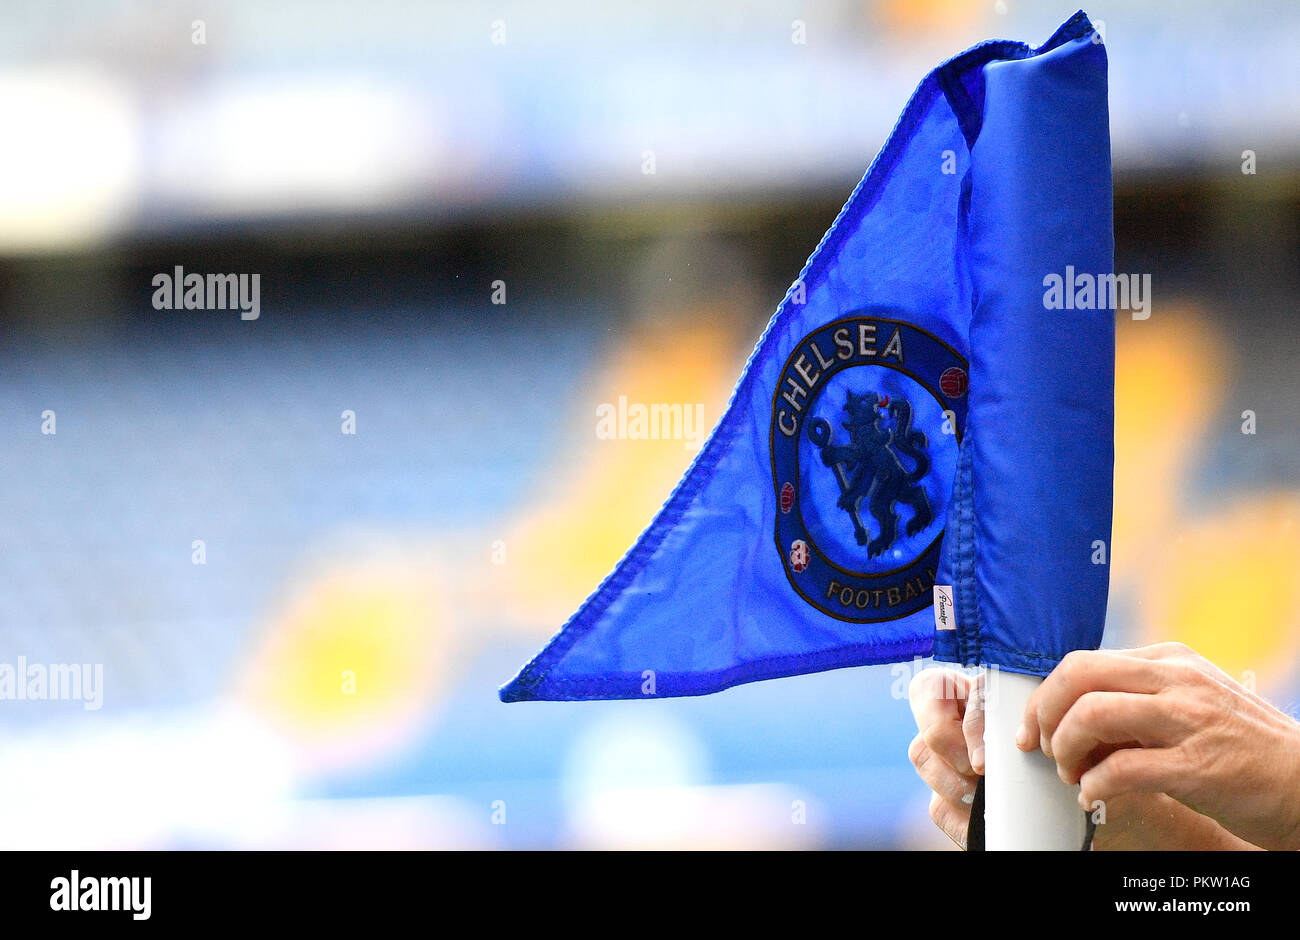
1026,806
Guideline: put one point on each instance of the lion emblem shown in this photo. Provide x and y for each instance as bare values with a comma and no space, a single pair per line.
868,466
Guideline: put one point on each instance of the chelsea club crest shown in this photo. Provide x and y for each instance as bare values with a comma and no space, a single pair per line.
866,420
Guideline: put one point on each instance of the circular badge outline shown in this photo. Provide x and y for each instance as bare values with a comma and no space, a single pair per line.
958,432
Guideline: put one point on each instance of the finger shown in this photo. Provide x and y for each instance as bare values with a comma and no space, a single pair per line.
1099,722
1079,672
972,725
938,700
953,821
937,694
945,738
939,775
1130,770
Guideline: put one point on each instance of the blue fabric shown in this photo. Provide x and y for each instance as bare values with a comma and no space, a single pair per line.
913,415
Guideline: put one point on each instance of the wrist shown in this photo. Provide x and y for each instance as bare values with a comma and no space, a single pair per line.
1290,791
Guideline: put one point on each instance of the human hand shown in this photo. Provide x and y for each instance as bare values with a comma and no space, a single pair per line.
1162,719
948,750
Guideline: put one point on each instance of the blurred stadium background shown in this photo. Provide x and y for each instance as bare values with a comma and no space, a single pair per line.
380,167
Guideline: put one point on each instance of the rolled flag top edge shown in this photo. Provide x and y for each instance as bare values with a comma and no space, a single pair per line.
918,455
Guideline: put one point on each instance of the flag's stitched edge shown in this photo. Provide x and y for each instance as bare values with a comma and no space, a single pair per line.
678,684
966,585
525,685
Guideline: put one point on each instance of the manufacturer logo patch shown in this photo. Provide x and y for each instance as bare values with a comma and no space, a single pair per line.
866,421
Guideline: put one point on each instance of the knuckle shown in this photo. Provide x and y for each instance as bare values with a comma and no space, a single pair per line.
932,736
1073,666
1200,711
1172,649
1172,673
917,752
928,684
920,682
1085,711
1077,659
1046,726
1069,664
1186,673
1188,756
1128,773
1104,780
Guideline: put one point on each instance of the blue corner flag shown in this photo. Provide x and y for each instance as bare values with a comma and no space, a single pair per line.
918,455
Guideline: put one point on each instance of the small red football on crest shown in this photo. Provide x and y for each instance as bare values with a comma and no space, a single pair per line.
787,496
798,554
953,382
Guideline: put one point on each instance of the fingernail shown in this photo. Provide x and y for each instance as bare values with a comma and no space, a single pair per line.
977,757
1045,745
1022,736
